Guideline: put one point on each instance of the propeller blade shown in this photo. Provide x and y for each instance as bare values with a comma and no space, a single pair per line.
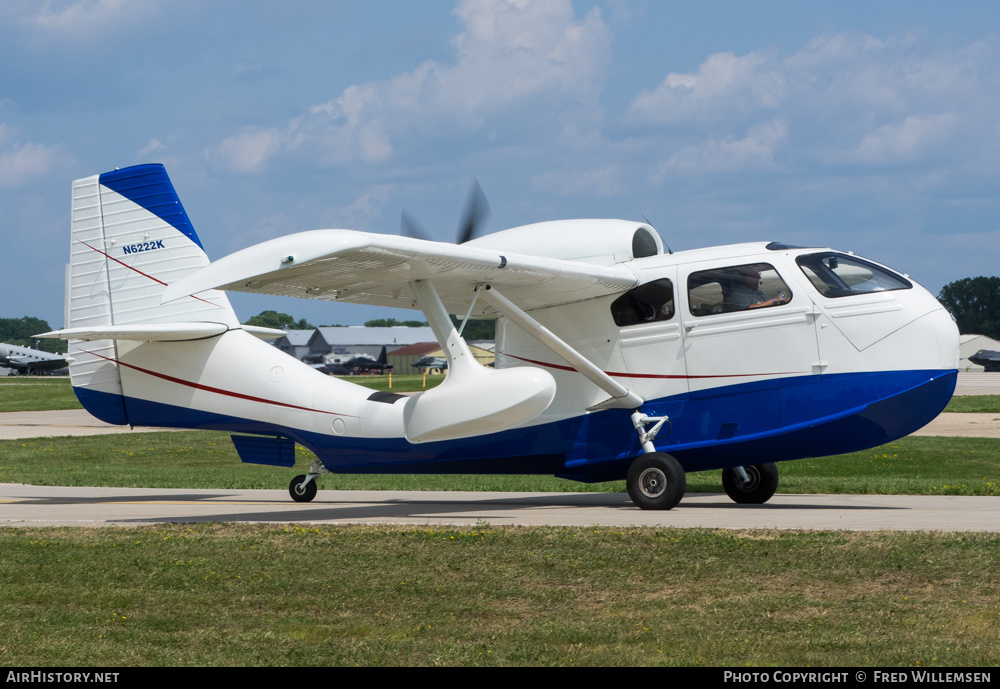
408,227
477,209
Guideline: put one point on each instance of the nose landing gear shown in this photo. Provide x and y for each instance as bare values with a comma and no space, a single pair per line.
655,481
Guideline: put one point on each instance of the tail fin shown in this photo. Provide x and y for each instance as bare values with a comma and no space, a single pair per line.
130,238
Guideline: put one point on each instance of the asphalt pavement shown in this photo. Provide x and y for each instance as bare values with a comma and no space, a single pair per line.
39,506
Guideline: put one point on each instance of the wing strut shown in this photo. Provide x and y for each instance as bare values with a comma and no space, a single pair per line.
621,397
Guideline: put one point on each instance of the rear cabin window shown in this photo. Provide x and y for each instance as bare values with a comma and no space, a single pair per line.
647,303
838,275
736,288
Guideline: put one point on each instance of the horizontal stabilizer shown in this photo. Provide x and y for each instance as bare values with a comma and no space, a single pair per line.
158,332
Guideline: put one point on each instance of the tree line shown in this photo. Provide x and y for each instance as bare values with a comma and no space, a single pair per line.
18,331
975,304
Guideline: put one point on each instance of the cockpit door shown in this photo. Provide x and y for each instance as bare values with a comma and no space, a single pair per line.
749,342
650,338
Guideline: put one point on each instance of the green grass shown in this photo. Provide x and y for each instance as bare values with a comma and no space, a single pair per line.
36,393
410,382
988,404
202,459
261,595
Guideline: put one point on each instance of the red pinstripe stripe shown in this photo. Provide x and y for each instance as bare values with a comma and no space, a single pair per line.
217,391
132,268
654,375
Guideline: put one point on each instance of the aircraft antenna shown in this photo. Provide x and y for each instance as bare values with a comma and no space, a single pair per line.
654,227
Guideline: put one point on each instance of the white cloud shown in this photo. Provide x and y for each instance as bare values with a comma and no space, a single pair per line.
724,87
153,146
844,98
605,181
79,20
511,52
753,152
246,152
905,141
24,162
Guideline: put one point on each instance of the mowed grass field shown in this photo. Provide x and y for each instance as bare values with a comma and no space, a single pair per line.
266,595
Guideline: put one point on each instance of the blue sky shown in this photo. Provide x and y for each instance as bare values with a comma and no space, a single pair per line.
871,127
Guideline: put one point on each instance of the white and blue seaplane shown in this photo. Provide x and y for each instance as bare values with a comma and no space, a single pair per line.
615,359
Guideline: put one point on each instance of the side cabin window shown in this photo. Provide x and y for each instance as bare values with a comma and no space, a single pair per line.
647,303
838,275
736,288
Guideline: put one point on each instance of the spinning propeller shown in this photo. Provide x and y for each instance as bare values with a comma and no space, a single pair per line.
477,209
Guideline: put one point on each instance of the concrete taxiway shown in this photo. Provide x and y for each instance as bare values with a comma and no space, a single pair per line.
36,506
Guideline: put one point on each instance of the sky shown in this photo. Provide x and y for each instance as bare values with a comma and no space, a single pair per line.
869,127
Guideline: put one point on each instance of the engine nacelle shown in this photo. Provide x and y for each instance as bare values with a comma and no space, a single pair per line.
604,242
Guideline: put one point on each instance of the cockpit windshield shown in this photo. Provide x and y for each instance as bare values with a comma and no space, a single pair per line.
839,275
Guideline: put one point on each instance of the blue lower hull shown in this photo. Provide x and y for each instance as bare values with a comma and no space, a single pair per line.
751,423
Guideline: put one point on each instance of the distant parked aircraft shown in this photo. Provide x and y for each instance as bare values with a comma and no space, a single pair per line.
25,360
988,359
431,362
359,365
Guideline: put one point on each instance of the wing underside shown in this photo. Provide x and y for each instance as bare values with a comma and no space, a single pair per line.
374,269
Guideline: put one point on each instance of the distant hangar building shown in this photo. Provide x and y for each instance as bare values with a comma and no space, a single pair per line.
311,346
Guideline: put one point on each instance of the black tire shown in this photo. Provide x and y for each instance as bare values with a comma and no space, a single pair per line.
656,481
763,483
300,492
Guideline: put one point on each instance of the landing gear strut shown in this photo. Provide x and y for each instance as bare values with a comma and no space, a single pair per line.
755,486
655,481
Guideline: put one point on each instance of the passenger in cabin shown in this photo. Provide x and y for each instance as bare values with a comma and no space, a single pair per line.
649,303
742,290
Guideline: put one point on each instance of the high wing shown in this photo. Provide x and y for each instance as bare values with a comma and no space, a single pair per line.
376,269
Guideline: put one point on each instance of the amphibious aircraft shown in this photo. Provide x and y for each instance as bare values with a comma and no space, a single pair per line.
25,360
615,360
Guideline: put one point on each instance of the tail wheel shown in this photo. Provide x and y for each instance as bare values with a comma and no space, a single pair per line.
300,490
656,481
762,484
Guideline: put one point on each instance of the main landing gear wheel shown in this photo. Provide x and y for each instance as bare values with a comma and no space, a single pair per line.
300,490
656,481
758,490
